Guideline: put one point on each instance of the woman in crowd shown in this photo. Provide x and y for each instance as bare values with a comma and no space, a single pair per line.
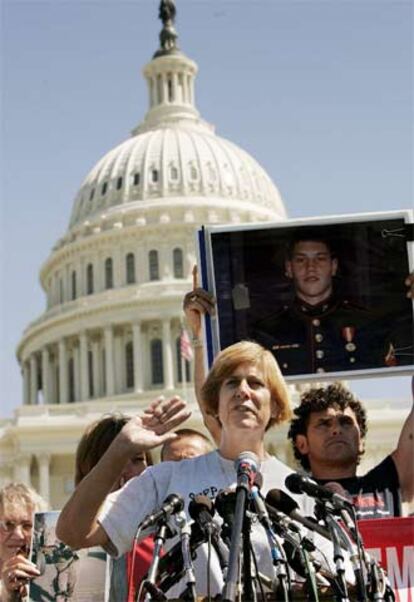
93,444
247,393
18,503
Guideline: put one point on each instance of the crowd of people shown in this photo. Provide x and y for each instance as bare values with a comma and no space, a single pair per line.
243,395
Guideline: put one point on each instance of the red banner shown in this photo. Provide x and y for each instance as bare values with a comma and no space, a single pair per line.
391,542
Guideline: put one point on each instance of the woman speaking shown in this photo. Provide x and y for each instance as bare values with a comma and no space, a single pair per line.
247,393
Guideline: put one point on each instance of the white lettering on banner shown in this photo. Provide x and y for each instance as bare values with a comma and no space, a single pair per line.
401,580
401,575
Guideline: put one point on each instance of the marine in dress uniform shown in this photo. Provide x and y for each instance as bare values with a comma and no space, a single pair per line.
331,336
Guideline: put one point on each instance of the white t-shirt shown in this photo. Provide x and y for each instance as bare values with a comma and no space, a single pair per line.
207,475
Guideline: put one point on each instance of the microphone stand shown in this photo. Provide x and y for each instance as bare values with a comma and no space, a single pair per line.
230,586
277,553
342,590
154,593
185,533
248,578
304,546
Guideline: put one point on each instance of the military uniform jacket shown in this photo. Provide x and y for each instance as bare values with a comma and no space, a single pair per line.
332,336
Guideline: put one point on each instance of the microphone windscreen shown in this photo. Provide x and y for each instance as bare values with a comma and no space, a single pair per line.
198,504
175,500
278,499
294,482
247,457
225,504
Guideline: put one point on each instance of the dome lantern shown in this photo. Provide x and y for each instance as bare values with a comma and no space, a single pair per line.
170,78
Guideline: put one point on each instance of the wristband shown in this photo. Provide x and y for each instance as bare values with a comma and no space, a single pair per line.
197,342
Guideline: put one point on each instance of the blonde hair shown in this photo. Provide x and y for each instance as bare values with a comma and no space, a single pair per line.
14,495
247,352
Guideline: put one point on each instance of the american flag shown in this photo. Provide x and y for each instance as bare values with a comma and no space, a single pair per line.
185,346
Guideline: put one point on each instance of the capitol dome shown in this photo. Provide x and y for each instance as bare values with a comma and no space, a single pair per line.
109,338
169,161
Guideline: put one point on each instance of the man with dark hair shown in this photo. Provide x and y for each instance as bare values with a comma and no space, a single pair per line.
320,330
188,444
328,434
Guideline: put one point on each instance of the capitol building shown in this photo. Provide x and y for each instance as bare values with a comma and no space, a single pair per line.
109,337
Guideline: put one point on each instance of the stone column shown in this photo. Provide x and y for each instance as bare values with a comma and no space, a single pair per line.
99,270
84,372
175,94
118,268
109,360
63,372
165,261
141,259
97,376
191,88
138,357
76,371
53,393
164,92
21,468
43,461
26,383
118,363
46,375
167,354
33,379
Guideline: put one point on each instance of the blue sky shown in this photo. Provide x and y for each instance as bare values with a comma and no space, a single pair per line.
319,92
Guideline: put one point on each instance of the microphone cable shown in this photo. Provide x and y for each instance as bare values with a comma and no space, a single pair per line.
259,578
209,566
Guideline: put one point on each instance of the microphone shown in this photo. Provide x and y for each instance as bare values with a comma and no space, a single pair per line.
259,503
246,466
185,536
297,483
172,504
276,499
171,565
225,503
201,510
276,550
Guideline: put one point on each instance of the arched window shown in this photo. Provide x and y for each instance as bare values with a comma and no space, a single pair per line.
130,268
109,273
178,263
173,173
89,279
90,372
71,380
129,365
193,172
180,362
157,368
73,285
61,294
154,273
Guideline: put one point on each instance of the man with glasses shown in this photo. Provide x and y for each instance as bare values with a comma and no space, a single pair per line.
18,503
